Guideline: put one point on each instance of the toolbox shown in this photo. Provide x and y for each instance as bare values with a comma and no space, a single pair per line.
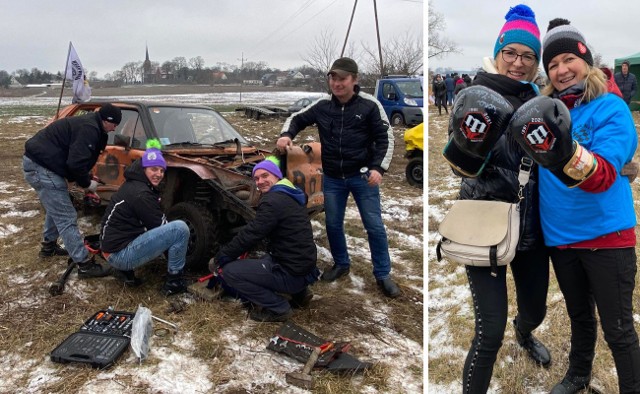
100,341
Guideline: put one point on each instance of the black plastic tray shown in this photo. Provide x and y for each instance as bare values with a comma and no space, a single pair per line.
100,341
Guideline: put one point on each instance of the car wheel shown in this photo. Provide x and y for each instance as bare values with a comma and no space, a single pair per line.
203,237
414,172
397,120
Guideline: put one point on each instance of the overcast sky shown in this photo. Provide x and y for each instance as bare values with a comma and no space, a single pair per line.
610,27
108,34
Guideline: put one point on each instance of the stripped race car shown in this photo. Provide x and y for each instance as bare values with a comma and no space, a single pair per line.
208,180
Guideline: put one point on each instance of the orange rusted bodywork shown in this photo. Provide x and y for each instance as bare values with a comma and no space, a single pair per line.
209,170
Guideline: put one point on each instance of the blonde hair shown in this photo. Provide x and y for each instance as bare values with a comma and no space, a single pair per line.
595,84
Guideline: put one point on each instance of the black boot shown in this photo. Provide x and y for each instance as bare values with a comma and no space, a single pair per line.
90,269
571,384
334,273
52,248
174,284
301,299
388,287
127,277
267,315
537,351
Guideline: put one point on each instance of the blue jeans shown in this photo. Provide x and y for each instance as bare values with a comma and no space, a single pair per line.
336,192
172,236
258,281
61,219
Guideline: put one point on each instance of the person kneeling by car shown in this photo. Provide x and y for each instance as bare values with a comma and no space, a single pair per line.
289,267
134,228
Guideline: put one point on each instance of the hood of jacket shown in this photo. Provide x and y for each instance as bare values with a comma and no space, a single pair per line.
285,186
135,172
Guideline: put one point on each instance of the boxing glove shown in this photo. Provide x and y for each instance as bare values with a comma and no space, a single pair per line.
478,119
542,127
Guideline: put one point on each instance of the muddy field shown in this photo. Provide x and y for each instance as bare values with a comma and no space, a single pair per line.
217,348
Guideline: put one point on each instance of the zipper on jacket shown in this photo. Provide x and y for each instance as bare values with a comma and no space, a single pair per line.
340,142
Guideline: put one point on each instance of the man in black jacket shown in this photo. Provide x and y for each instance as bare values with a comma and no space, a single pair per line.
289,265
135,230
627,82
357,147
66,150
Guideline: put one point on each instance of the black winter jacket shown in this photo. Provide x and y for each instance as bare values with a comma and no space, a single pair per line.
353,135
499,179
134,209
439,89
69,147
282,220
628,85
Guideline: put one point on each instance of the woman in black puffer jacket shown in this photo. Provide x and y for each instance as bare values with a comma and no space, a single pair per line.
509,73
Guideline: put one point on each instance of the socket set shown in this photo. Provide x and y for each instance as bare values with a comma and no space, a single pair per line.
100,341
109,322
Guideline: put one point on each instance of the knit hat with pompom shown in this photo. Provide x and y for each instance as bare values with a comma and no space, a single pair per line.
561,37
520,28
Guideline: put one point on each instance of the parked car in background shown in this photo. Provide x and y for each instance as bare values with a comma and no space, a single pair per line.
402,99
208,181
300,104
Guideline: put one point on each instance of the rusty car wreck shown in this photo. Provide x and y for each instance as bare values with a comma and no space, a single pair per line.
208,180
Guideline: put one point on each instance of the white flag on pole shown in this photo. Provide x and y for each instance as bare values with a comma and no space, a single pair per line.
75,72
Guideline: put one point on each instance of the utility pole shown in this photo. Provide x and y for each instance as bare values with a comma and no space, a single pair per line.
349,28
375,11
242,59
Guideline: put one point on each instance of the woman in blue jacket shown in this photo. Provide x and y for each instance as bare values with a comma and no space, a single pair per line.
590,228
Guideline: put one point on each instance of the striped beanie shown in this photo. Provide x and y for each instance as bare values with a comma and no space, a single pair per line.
520,28
561,37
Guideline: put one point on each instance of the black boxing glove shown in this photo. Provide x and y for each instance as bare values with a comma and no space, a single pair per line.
542,127
478,119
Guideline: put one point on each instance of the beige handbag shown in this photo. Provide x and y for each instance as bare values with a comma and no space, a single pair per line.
483,233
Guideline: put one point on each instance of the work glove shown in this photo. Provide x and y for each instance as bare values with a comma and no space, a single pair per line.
93,186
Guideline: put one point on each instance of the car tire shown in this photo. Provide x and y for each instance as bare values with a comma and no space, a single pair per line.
414,172
203,238
397,120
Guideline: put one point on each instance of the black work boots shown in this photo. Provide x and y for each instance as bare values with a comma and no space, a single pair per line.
50,249
174,284
90,269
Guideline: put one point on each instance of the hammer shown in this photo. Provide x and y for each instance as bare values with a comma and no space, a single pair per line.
304,379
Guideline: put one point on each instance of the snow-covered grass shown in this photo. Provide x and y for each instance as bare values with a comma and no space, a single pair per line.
216,349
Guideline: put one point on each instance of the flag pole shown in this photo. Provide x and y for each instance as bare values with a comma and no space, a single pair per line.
64,79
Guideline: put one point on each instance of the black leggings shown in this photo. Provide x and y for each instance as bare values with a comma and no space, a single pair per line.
530,271
604,278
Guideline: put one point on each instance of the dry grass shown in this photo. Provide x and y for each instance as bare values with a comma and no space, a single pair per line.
451,324
32,323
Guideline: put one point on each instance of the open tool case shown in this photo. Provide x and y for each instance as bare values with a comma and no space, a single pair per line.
99,342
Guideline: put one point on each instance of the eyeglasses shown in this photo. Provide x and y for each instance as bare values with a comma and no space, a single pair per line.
509,56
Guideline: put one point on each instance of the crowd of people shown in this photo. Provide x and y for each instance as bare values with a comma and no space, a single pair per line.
577,209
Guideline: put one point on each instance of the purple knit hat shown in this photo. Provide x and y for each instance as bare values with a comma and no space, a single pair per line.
268,165
152,157
520,28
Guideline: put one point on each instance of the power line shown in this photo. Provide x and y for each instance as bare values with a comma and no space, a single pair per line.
302,24
302,8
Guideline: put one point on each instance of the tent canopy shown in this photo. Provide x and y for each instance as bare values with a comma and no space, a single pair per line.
633,60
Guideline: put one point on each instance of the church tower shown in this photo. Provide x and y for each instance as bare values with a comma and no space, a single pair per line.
147,76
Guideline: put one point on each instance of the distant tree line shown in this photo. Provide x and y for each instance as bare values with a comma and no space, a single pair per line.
400,55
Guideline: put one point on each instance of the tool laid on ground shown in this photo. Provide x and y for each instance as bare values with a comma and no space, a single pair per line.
304,379
99,342
57,287
298,343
